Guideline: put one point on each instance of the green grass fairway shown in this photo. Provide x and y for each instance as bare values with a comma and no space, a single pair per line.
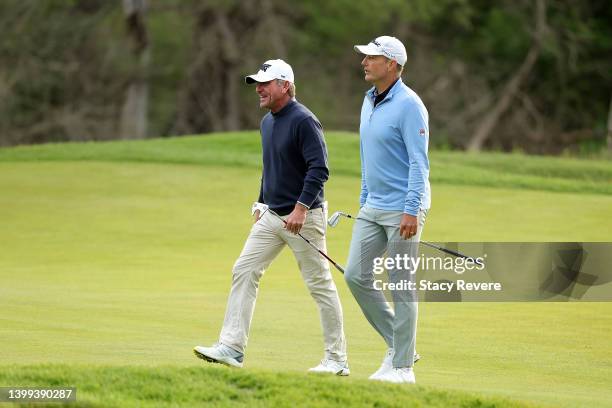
115,260
174,386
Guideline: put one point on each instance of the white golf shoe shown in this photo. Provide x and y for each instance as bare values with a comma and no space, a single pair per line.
328,366
387,364
403,375
219,353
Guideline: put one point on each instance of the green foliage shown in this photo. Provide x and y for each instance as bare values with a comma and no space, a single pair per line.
171,36
571,79
332,27
44,60
328,24
64,66
496,37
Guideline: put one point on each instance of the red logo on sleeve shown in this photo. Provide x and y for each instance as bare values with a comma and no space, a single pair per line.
422,132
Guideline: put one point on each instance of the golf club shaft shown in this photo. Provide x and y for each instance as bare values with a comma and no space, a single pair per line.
429,244
451,252
341,269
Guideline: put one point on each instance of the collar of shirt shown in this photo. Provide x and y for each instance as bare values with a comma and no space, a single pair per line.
380,96
285,108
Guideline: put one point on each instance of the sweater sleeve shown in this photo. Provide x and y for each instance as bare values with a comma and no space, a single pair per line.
415,132
314,151
261,199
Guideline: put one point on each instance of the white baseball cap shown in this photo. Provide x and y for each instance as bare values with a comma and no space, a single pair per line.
390,47
271,69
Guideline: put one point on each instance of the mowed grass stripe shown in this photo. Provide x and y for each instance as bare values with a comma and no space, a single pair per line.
243,149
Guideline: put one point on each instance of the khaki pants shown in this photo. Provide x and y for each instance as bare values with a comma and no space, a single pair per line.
266,239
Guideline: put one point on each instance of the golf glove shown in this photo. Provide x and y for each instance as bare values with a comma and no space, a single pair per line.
258,206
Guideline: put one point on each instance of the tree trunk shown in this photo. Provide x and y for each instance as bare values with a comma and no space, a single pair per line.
133,122
511,88
228,42
231,56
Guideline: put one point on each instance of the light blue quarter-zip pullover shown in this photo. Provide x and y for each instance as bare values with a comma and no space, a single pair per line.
394,136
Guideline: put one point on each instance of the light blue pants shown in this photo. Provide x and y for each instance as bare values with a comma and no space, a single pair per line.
376,234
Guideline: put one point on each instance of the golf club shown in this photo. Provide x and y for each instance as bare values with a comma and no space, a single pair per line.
341,269
334,219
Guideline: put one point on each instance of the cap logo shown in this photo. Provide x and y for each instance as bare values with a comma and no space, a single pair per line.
264,67
384,50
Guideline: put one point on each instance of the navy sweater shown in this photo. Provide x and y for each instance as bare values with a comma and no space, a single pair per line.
294,159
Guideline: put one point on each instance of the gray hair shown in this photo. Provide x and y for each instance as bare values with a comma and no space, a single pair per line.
400,69
291,90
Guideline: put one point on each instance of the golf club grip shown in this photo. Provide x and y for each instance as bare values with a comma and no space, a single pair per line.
451,252
448,251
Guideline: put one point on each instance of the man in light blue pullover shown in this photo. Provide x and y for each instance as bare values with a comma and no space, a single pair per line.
395,197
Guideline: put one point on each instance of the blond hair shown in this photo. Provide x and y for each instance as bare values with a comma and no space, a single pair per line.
291,91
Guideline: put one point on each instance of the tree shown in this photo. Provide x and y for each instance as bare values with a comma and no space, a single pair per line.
227,43
133,121
511,88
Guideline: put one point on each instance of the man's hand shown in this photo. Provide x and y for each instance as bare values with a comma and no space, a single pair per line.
408,226
295,220
257,216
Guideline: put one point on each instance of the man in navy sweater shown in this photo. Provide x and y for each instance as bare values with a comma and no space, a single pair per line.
294,171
